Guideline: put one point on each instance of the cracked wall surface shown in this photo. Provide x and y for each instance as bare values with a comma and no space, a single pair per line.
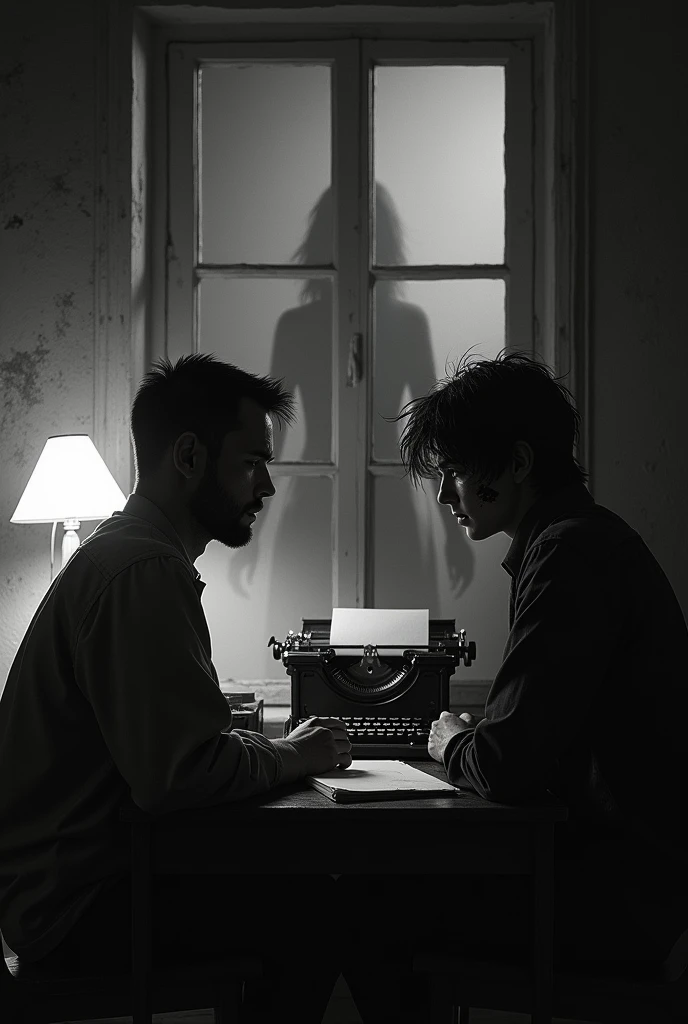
46,262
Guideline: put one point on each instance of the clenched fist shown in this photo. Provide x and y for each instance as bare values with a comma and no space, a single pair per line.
446,726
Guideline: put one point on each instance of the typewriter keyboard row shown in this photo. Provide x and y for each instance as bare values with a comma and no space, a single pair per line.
375,730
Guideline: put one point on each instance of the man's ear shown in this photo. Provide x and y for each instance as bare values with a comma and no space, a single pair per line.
523,460
189,456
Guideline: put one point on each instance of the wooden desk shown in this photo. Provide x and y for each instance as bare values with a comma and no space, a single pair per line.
469,836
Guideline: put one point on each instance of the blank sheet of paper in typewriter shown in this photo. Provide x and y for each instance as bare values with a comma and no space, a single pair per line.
382,627
378,780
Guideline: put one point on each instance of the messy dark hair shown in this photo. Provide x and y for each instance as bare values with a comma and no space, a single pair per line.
200,394
473,417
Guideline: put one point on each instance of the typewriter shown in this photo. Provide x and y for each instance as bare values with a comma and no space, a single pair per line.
387,701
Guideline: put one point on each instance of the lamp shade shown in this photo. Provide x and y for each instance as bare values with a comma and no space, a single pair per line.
70,481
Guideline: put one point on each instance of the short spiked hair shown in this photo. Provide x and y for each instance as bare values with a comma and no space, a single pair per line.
201,394
473,417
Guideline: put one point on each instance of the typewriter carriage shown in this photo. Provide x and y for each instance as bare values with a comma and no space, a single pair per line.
358,675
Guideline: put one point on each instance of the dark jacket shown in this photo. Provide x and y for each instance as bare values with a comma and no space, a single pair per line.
591,700
112,693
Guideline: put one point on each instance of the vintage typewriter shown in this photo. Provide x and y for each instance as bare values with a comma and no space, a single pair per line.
388,701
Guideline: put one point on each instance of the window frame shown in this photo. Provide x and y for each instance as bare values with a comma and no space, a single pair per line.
129,187
352,466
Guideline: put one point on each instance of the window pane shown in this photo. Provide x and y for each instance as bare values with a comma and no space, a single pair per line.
284,329
423,559
282,576
265,161
439,152
417,335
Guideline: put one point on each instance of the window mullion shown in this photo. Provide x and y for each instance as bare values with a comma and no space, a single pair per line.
181,244
271,270
442,272
520,202
349,393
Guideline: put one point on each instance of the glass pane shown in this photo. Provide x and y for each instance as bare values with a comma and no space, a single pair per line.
423,559
419,334
265,160
439,152
282,576
284,329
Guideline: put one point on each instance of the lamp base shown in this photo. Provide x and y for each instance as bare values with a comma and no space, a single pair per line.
70,540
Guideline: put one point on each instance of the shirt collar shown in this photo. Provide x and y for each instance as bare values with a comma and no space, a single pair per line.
144,508
543,512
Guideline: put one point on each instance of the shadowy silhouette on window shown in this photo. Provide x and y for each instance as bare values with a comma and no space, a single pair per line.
403,367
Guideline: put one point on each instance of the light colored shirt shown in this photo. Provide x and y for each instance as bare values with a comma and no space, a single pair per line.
112,694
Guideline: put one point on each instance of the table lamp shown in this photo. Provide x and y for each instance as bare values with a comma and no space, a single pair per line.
70,483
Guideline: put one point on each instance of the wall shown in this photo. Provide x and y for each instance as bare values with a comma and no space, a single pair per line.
639,228
46,266
48,301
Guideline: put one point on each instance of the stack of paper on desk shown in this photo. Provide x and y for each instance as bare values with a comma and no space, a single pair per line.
378,780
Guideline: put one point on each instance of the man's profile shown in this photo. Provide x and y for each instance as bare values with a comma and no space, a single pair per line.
113,695
590,702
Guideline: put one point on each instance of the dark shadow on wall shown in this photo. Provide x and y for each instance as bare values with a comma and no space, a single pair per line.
301,355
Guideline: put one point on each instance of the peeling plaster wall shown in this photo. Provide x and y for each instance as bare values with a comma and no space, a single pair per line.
638,340
46,259
640,268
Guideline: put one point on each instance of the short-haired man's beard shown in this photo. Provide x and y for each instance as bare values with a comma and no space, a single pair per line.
214,510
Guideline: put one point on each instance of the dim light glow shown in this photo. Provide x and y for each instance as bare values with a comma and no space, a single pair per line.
70,481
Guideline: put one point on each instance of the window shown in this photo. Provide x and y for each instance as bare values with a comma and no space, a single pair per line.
351,215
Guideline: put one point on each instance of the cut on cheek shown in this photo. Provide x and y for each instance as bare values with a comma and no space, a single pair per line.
486,493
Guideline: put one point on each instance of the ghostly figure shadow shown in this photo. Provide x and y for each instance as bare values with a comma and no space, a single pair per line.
405,575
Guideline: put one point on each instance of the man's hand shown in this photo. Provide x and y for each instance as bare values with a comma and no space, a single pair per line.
322,744
446,726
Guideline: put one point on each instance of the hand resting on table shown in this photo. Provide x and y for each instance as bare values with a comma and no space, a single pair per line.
322,744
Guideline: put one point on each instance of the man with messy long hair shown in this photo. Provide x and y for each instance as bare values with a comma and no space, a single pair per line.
589,703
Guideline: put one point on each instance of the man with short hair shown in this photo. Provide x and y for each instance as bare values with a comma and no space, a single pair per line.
590,702
113,694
